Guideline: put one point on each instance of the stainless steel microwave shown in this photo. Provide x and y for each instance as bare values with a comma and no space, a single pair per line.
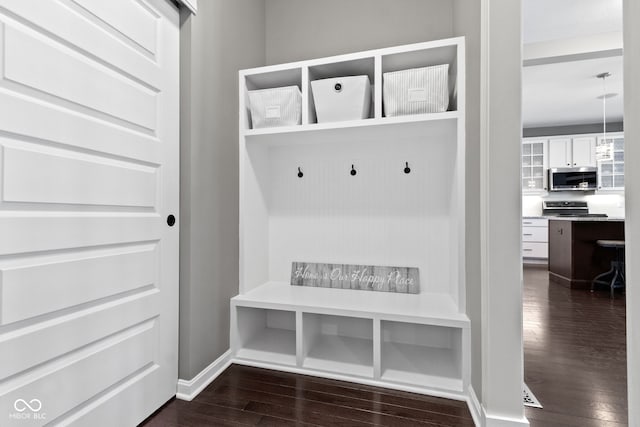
573,179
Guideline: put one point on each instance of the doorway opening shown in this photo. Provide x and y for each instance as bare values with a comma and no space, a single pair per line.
574,339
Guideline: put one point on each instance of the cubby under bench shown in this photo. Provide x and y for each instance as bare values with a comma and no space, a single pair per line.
417,343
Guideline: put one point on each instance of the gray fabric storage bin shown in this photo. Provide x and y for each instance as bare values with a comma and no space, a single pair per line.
280,106
416,91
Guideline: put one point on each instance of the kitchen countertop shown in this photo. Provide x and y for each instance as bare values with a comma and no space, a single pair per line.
578,218
585,218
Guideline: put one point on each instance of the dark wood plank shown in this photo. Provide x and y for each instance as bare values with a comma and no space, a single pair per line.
300,414
356,391
280,422
330,405
183,413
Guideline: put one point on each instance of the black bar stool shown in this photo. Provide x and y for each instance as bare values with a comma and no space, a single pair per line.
614,278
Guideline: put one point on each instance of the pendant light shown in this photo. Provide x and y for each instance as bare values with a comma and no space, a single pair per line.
604,147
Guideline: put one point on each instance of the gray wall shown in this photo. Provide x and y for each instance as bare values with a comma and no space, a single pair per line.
466,22
305,29
224,37
571,129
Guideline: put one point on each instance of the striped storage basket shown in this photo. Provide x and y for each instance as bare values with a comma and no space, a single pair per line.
416,91
281,106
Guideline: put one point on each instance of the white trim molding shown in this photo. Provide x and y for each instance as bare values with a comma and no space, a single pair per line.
189,389
500,214
631,15
475,408
500,421
192,5
482,419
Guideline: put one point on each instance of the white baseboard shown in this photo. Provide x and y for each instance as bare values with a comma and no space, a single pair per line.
482,419
475,408
499,421
188,390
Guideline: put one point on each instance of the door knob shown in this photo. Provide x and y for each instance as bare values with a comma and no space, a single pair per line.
171,220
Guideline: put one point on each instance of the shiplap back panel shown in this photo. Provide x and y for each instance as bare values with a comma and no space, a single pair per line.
380,216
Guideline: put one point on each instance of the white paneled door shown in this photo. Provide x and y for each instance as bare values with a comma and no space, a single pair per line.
88,177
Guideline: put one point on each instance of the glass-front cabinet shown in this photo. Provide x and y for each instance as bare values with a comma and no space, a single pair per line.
534,165
611,170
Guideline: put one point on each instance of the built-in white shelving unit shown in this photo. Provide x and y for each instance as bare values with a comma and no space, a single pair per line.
380,216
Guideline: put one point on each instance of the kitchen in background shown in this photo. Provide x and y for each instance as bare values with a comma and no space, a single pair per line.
568,168
573,141
564,178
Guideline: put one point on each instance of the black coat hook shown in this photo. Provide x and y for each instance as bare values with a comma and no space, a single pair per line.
407,169
353,171
300,174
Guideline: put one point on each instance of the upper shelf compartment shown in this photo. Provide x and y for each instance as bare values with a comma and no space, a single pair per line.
434,66
374,65
340,77
280,103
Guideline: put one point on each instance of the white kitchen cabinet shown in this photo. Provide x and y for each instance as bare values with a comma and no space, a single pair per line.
535,239
534,165
300,201
559,152
572,152
584,151
611,172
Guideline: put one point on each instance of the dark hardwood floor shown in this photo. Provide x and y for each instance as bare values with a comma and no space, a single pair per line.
260,397
575,364
574,354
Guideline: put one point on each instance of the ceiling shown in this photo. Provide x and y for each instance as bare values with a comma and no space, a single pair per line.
565,92
545,20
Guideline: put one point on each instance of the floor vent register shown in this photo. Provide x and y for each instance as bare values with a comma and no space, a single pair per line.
529,399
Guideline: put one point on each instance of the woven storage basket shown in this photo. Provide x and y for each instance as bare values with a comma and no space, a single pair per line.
281,106
416,91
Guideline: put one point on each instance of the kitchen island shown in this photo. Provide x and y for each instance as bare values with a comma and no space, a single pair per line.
574,257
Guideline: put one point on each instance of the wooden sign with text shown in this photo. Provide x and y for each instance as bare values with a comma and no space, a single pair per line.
404,280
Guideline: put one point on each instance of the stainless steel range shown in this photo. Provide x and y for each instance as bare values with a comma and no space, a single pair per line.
570,208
